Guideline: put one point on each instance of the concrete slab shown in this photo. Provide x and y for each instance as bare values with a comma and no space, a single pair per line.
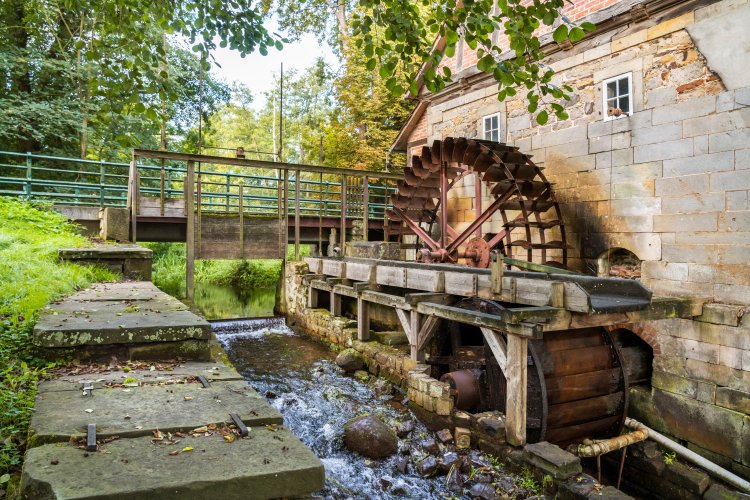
137,411
266,464
104,251
72,380
117,313
130,290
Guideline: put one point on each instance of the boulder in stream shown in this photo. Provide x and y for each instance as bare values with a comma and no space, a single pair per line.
350,360
370,437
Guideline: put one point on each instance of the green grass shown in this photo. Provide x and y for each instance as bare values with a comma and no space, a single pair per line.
30,276
169,270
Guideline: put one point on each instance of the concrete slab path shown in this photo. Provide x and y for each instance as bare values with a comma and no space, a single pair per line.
161,434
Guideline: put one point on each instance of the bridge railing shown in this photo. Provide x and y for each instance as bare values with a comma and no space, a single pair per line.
81,182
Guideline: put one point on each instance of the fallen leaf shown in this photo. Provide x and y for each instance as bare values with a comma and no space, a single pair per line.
158,436
188,398
200,430
89,410
187,448
229,438
175,452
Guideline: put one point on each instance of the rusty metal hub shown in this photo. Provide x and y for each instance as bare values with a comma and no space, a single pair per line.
464,388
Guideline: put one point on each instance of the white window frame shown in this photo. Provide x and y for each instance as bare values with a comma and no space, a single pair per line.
484,126
605,105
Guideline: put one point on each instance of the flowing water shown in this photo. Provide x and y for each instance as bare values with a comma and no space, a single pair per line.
299,378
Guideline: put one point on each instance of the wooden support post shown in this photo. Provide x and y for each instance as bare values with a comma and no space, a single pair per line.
405,324
363,319
320,216
557,294
515,402
240,207
343,215
365,208
312,297
335,304
498,346
298,188
190,232
496,276
416,326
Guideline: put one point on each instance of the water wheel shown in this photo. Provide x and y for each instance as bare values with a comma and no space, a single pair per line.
531,218
576,380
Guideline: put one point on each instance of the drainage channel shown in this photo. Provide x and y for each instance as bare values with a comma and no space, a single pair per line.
300,379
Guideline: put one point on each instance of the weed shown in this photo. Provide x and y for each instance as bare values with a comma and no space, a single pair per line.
495,461
669,457
528,483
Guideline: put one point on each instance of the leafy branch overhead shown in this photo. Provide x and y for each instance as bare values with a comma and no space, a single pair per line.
397,37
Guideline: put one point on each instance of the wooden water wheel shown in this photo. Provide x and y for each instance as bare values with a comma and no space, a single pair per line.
531,220
576,379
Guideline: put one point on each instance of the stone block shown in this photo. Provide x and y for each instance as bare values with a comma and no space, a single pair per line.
678,186
742,159
444,407
729,141
696,389
736,200
662,96
713,124
717,162
552,460
636,207
637,172
379,250
656,134
692,108
693,222
733,399
665,270
693,480
629,190
729,181
663,151
693,203
114,224
670,26
622,157
721,314
390,338
719,492
463,438
680,416
600,144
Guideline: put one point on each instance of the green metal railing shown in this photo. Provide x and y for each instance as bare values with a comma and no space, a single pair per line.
79,182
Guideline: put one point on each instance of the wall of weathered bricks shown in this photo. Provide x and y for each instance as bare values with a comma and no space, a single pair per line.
669,183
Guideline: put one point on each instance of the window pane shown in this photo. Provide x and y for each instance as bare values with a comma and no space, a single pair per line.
623,84
494,136
611,90
612,103
494,122
625,104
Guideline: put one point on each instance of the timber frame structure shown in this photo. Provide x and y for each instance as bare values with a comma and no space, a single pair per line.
423,295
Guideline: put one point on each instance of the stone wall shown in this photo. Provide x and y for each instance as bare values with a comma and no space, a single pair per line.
669,183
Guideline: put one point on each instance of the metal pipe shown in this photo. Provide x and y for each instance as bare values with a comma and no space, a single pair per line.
690,455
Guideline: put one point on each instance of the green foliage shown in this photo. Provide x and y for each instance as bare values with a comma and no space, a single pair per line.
30,276
527,482
397,36
669,457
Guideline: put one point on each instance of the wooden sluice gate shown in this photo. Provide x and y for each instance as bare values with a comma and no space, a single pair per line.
537,346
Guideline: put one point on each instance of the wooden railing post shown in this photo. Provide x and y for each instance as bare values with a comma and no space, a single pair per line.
285,236
102,180
320,215
190,232
198,202
132,200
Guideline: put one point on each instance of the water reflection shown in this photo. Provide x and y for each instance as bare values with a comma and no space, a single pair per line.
225,302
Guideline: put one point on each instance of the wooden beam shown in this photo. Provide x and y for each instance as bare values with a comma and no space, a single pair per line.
405,324
189,233
321,285
346,291
557,294
491,321
335,303
271,165
415,325
436,298
385,299
496,278
426,332
498,346
515,402
363,319
310,277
